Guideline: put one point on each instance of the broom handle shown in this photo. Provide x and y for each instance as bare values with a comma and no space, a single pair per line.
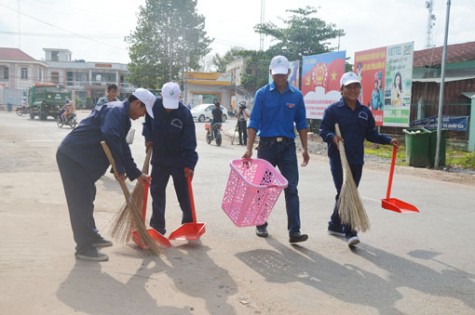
341,146
146,162
146,186
145,198
192,199
108,153
391,172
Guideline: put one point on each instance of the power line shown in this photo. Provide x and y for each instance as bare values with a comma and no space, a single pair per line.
63,29
63,35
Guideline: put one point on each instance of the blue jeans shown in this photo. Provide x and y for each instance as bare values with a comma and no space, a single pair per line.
337,174
283,155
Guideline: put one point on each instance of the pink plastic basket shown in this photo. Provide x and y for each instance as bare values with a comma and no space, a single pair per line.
252,191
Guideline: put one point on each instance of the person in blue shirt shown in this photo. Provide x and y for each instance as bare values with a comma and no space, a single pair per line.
171,133
82,161
279,110
356,124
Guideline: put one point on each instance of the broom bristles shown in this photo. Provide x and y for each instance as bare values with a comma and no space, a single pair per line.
134,216
350,207
123,222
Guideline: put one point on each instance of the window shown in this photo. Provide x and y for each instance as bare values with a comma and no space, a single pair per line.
5,73
55,77
24,73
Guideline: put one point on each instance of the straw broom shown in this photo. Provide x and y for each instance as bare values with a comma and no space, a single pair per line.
136,215
123,223
350,207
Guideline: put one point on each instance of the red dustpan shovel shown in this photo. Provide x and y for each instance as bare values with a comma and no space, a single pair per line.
155,235
193,230
393,203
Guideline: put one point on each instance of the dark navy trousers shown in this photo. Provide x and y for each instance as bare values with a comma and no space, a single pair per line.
158,187
80,191
337,174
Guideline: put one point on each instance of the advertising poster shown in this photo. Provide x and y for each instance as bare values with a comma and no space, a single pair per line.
321,81
370,66
294,74
398,85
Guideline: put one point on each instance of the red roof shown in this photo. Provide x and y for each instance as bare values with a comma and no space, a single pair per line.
14,54
433,56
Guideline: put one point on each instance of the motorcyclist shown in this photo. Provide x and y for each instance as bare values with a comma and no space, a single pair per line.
217,117
66,110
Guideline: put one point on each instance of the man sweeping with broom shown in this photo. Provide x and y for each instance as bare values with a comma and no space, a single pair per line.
82,161
356,123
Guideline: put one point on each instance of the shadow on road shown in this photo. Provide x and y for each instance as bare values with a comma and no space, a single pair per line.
352,284
90,290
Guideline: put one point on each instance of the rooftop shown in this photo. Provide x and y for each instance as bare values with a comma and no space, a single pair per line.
432,57
14,54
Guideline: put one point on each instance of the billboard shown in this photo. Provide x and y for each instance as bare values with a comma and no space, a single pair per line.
398,85
386,82
370,66
321,81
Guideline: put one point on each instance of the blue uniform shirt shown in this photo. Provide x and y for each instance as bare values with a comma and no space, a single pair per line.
275,113
355,127
109,122
173,136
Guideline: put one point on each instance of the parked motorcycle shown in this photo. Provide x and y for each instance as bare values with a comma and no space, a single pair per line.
70,121
22,110
214,134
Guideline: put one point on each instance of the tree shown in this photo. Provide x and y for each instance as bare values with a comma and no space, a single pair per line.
303,35
257,70
167,32
221,62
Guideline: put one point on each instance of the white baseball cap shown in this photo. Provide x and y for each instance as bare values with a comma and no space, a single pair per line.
171,95
146,97
279,65
348,78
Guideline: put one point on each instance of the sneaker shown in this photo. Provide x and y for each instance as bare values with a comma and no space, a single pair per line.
352,238
261,231
297,238
336,229
91,254
101,242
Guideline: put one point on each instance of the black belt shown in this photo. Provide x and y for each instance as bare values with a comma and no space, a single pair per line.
276,139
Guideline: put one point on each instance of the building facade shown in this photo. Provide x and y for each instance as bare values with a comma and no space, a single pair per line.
87,81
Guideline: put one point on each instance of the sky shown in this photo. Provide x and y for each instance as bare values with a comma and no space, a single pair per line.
94,30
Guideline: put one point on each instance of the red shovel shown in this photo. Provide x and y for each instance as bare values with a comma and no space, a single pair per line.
393,203
193,230
154,234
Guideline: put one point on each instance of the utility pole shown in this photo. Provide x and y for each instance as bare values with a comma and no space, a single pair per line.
263,9
430,23
441,90
170,60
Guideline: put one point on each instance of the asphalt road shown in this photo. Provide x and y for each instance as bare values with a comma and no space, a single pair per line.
406,263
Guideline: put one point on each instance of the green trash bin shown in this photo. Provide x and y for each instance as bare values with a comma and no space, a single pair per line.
417,147
433,147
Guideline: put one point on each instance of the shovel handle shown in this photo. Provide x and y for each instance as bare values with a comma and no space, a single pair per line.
192,199
391,172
